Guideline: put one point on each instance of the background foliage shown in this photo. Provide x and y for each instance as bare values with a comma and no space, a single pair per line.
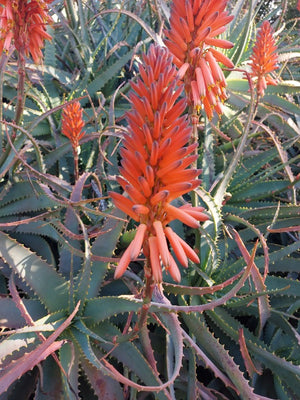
59,238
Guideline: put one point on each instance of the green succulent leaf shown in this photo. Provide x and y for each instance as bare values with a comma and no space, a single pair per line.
42,278
99,309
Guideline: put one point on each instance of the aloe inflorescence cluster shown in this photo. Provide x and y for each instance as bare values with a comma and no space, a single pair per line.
23,25
192,39
264,59
154,168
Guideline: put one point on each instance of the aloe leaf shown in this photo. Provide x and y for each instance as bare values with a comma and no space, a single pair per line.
37,244
9,157
88,352
259,190
80,325
200,291
10,316
175,338
15,346
71,222
282,103
33,203
285,225
109,73
250,367
277,282
104,245
291,265
70,363
242,41
279,319
217,353
192,377
263,210
63,149
145,26
210,231
252,165
104,387
263,301
50,287
97,310
127,353
37,228
233,268
28,361
238,85
50,384
284,87
18,190
289,372
282,391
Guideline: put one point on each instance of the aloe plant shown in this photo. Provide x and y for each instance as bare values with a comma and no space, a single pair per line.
69,329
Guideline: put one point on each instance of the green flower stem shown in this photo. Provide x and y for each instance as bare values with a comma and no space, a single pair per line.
219,196
76,168
3,63
20,93
142,322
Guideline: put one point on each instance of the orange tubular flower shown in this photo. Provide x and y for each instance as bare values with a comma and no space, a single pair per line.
72,123
264,58
194,25
154,168
24,23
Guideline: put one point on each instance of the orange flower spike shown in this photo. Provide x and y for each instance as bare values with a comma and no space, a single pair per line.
72,123
24,23
156,168
264,58
194,25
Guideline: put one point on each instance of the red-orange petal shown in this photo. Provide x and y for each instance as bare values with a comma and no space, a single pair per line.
176,246
189,251
224,44
136,244
124,204
162,242
154,259
123,263
220,57
159,197
177,213
174,270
